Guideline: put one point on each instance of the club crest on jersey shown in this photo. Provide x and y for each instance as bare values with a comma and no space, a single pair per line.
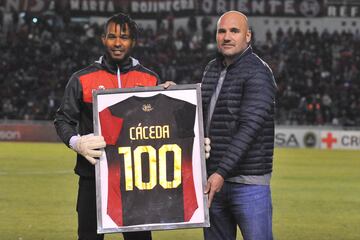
147,108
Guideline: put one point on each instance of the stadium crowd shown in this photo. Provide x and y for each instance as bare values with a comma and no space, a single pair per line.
317,72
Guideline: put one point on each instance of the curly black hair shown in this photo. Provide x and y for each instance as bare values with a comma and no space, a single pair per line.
124,21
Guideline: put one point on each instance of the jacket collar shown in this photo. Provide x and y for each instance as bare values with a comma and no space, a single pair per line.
247,51
113,67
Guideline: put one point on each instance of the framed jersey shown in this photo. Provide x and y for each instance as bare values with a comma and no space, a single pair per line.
152,173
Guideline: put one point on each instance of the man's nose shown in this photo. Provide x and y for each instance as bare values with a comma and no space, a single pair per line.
227,36
117,41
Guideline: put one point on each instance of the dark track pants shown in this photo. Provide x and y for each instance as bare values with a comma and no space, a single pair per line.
86,209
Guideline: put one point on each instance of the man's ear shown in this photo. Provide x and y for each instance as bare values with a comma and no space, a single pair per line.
103,37
133,43
248,36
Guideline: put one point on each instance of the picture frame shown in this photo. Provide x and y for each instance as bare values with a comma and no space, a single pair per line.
152,174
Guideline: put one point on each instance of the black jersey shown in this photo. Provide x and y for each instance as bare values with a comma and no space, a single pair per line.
149,155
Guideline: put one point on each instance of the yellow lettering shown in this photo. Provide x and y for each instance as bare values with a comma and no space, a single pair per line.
145,132
151,152
131,133
152,132
149,132
138,132
177,166
166,131
128,167
158,131
138,169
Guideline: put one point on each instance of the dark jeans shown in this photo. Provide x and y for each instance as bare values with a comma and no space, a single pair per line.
86,209
246,206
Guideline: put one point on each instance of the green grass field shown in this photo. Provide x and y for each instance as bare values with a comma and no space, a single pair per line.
316,195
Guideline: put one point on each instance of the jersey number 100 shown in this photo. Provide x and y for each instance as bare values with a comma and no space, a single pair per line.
153,162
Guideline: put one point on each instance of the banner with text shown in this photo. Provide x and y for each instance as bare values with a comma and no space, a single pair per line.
152,9
296,138
303,137
340,140
28,132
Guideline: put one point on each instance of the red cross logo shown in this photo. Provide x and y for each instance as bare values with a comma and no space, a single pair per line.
329,140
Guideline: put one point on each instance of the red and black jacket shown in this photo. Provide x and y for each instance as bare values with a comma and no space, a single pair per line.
75,115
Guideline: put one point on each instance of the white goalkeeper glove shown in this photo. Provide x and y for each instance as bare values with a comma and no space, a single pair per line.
88,146
207,147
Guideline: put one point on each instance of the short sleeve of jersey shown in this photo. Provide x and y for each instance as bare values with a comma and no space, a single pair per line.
185,119
110,126
123,108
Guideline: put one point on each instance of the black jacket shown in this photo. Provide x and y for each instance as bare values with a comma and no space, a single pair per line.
242,126
75,115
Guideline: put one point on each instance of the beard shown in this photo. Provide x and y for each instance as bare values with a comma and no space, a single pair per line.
117,61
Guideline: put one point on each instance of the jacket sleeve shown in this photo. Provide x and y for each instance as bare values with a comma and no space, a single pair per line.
158,80
257,104
68,115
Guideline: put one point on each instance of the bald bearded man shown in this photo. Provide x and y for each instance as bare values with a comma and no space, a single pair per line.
238,92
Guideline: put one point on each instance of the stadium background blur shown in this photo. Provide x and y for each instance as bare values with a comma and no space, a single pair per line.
312,46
